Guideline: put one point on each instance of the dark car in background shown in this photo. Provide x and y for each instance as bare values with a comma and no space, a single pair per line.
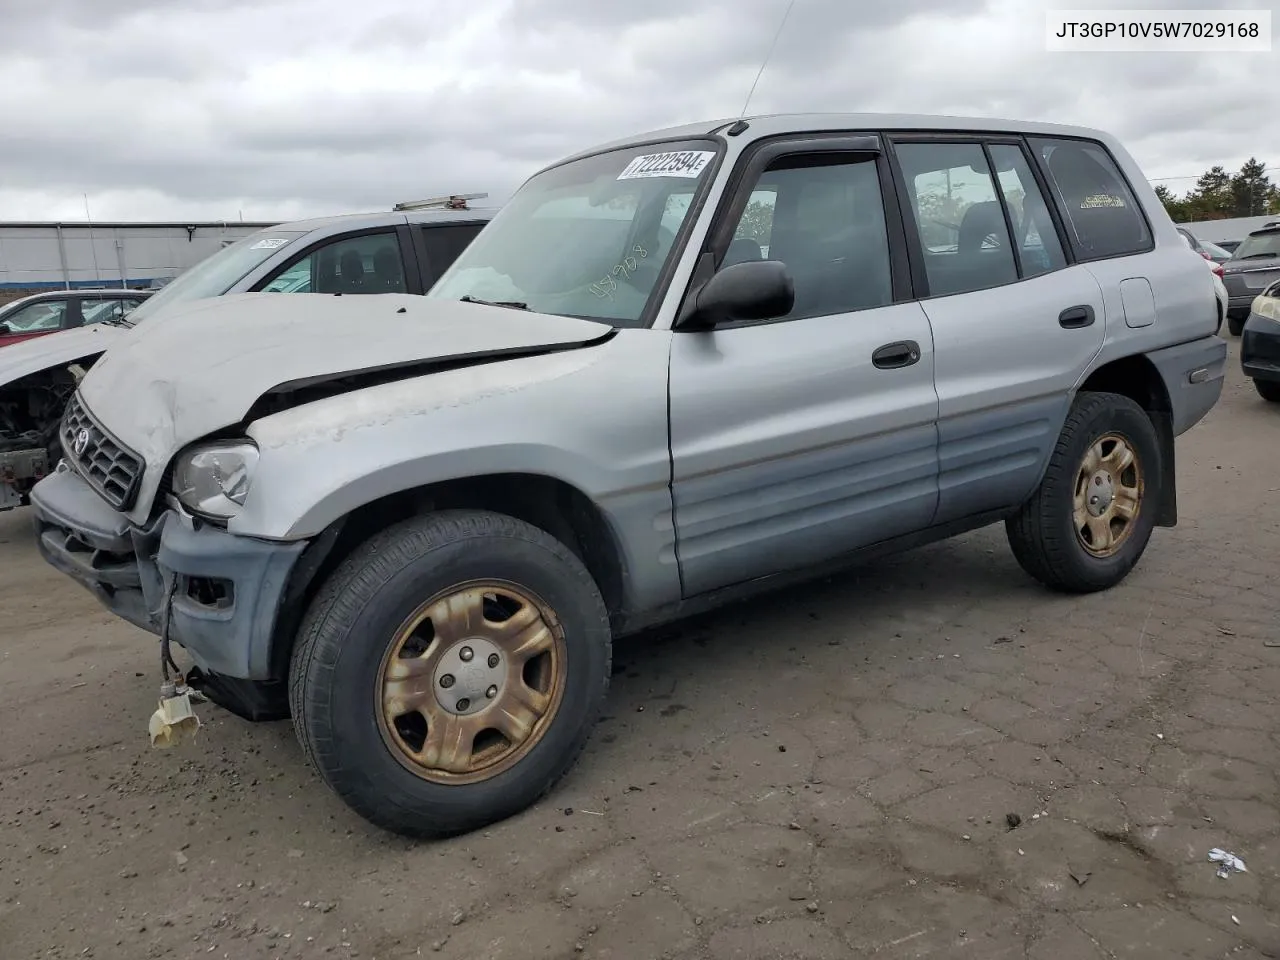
1253,267
1260,344
50,311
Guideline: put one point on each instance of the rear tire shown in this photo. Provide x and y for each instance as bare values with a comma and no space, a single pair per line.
1236,324
374,696
1268,390
1056,536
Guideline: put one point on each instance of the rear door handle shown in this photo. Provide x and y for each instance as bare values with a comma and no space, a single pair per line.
1073,318
894,355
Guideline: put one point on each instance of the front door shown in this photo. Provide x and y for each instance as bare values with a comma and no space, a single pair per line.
802,438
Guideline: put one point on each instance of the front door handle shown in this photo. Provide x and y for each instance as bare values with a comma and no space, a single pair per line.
894,355
1073,318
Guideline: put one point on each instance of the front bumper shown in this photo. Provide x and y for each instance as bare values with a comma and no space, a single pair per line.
227,591
1260,348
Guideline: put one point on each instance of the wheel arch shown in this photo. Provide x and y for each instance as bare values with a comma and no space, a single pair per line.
1138,378
549,503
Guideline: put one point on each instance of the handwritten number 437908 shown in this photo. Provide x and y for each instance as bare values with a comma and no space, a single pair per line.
604,287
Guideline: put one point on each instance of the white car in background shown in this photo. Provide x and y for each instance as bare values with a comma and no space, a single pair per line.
1220,289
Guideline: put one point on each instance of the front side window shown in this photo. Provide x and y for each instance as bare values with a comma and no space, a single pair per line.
1034,236
823,216
1102,215
1256,246
588,238
364,264
959,217
216,274
37,317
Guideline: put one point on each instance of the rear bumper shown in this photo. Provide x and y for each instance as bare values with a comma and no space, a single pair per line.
226,590
1260,348
1193,375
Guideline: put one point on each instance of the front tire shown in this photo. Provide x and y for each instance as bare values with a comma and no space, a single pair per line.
450,671
1090,520
1268,390
1236,324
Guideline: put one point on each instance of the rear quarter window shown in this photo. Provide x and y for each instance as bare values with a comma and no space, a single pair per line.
1102,216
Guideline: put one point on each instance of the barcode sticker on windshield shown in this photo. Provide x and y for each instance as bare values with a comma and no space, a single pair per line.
273,243
681,163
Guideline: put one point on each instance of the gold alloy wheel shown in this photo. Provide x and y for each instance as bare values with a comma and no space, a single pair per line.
1108,495
471,682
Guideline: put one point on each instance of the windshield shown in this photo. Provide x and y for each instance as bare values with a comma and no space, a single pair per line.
1258,245
588,238
215,275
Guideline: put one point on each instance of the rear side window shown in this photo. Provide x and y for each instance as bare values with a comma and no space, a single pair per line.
1035,237
958,215
443,243
1103,218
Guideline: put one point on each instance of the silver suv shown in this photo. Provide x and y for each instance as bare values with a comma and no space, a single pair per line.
672,371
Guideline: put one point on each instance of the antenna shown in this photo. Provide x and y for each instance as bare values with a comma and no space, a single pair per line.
764,63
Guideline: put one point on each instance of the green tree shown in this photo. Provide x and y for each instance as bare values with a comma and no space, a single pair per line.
1252,192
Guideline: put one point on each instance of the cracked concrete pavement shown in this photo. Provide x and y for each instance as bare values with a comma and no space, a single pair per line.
827,773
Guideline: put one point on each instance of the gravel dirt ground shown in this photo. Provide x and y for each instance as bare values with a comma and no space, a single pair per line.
827,773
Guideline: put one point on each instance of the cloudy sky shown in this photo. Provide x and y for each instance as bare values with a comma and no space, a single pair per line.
273,109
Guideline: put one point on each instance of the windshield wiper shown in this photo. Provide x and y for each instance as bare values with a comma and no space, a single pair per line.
512,304
1255,256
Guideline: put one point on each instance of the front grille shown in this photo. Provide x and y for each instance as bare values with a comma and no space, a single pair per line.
111,469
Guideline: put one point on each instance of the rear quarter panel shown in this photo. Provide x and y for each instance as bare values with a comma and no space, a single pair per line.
1185,304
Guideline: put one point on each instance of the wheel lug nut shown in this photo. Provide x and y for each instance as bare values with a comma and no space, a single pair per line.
493,660
466,653
464,703
446,681
492,692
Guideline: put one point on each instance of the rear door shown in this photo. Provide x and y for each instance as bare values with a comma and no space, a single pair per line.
1014,324
801,438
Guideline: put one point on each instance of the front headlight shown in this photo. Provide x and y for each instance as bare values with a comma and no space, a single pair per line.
213,480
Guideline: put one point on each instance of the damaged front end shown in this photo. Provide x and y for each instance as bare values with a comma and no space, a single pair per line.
30,412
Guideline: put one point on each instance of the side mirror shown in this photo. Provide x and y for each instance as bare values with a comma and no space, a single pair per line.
4,329
753,290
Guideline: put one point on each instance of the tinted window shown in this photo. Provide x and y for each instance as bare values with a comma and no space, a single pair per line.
366,264
959,216
1102,216
1034,235
37,317
824,219
443,244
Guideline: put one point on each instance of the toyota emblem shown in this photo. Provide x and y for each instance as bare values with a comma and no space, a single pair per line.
81,443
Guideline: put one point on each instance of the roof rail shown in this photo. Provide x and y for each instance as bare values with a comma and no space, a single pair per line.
457,201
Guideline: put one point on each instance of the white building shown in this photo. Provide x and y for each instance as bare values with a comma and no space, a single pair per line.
37,256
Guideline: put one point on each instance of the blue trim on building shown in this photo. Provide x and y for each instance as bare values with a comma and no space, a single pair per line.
42,286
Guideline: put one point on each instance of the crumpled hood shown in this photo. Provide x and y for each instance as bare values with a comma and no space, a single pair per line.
185,374
56,350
